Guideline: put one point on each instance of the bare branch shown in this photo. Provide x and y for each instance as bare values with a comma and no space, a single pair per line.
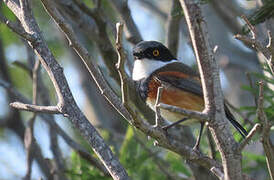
121,63
164,141
14,120
173,26
251,27
66,101
248,138
158,118
101,35
86,59
218,173
35,108
29,135
256,44
193,114
213,97
213,151
249,78
265,139
70,108
17,28
133,35
28,142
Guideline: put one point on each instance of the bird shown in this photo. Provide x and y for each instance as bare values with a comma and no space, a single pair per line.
155,66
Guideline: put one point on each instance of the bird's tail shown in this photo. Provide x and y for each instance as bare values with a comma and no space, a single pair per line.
237,125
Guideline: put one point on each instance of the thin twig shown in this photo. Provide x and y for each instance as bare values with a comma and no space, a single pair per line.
270,47
102,39
28,142
49,119
14,120
80,121
121,63
193,114
255,43
158,118
133,35
35,108
218,173
29,136
173,26
213,96
248,75
265,138
248,138
251,27
211,145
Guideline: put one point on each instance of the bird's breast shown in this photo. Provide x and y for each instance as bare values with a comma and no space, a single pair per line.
173,96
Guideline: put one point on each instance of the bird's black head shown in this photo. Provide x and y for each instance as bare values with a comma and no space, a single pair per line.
152,50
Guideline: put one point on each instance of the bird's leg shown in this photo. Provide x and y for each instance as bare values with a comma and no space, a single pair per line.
197,144
173,124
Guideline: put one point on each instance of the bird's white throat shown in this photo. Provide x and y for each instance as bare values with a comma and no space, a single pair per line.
143,68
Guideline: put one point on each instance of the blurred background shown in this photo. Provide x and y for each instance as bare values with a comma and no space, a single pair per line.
159,20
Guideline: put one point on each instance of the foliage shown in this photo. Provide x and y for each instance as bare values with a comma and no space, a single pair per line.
250,111
137,157
82,170
268,95
263,13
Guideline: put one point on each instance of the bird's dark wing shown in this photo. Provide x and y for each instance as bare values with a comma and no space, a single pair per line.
190,83
185,84
180,76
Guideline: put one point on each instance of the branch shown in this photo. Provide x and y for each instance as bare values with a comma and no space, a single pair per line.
133,35
173,26
164,141
256,44
248,138
213,97
100,36
212,152
217,172
17,28
66,101
86,59
28,142
29,137
59,167
156,133
159,121
35,108
192,114
14,120
121,63
265,138
50,120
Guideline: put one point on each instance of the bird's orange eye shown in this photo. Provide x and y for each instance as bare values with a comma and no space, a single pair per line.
156,52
